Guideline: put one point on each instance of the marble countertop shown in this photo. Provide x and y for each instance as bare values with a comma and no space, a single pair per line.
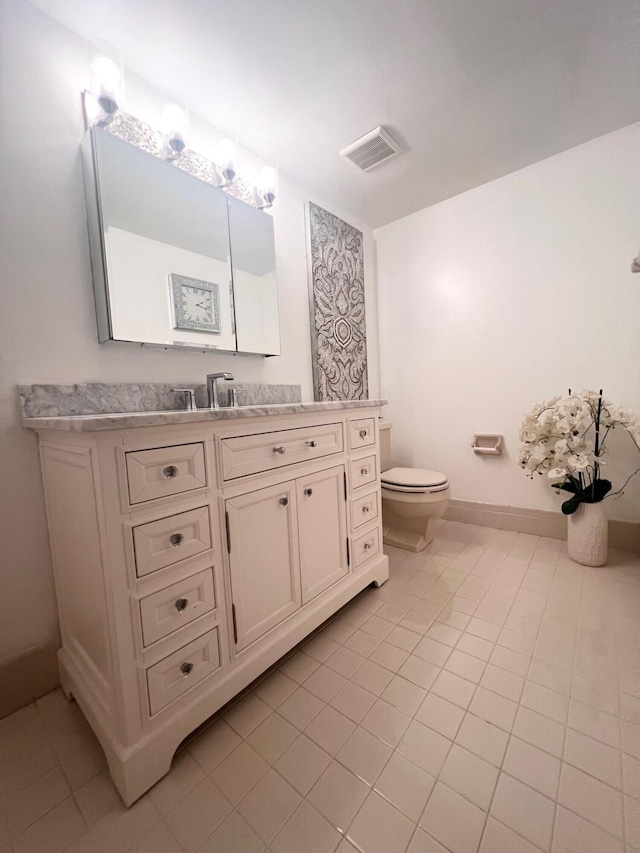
126,420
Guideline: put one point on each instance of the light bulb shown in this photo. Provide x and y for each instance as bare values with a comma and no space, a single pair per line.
175,124
106,84
267,180
226,158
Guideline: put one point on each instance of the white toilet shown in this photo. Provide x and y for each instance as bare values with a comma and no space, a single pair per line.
412,500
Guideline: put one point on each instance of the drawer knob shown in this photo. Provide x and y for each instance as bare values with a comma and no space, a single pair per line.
186,668
366,509
308,493
182,604
367,546
364,471
176,539
279,449
363,433
310,443
284,501
170,472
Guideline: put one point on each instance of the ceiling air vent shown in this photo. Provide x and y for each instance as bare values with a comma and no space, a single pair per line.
371,149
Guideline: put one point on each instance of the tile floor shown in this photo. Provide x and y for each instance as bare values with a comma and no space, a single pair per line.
487,698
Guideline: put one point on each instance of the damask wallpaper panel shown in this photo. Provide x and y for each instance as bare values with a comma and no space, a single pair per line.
338,327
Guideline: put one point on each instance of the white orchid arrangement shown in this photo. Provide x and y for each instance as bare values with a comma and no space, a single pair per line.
565,439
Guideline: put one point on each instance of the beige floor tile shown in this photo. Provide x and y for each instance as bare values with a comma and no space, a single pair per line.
389,656
386,722
432,651
272,737
247,714
372,676
475,646
380,828
306,830
54,831
239,772
550,703
33,762
362,643
376,626
419,671
232,836
299,666
454,689
405,785
98,797
540,731
213,745
444,634
275,689
330,730
403,638
483,629
517,641
325,683
631,776
594,757
269,804
404,694
466,666
424,747
524,810
502,682
453,820
20,730
27,805
595,723
423,843
631,738
591,799
470,776
441,715
498,838
353,701
122,826
514,662
573,834
303,764
338,795
493,708
320,648
632,821
550,676
160,839
364,755
598,695
300,708
532,766
343,661
79,753
483,739
199,814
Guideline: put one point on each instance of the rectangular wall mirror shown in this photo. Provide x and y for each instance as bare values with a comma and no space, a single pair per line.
162,243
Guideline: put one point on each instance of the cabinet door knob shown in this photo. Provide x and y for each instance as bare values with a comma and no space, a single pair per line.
308,493
367,546
364,471
279,449
186,668
366,509
310,443
284,501
182,604
176,539
170,472
363,433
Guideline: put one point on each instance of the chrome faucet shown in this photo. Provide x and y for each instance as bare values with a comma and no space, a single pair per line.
212,387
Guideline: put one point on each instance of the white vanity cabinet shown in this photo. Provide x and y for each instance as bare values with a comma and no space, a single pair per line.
190,554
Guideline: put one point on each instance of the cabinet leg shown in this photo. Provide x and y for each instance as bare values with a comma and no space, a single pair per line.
137,774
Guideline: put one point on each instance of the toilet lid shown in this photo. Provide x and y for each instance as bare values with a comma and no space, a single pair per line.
413,478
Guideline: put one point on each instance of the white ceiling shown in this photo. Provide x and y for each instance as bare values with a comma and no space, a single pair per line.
473,89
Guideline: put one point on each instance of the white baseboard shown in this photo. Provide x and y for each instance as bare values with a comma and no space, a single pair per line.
28,677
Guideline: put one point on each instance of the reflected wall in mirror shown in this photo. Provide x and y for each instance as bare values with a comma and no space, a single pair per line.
160,248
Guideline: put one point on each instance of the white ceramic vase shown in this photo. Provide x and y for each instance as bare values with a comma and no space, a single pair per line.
587,534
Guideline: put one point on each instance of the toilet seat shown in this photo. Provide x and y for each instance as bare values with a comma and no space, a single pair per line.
414,480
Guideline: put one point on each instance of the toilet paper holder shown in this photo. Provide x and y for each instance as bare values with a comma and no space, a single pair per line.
487,444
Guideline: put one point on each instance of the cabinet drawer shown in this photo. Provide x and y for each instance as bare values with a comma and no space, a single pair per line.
169,609
168,679
165,471
362,433
251,454
363,471
364,509
161,543
365,547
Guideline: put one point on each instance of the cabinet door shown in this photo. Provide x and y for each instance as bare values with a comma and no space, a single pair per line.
323,531
264,560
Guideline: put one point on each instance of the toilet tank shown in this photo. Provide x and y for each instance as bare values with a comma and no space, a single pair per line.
385,446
